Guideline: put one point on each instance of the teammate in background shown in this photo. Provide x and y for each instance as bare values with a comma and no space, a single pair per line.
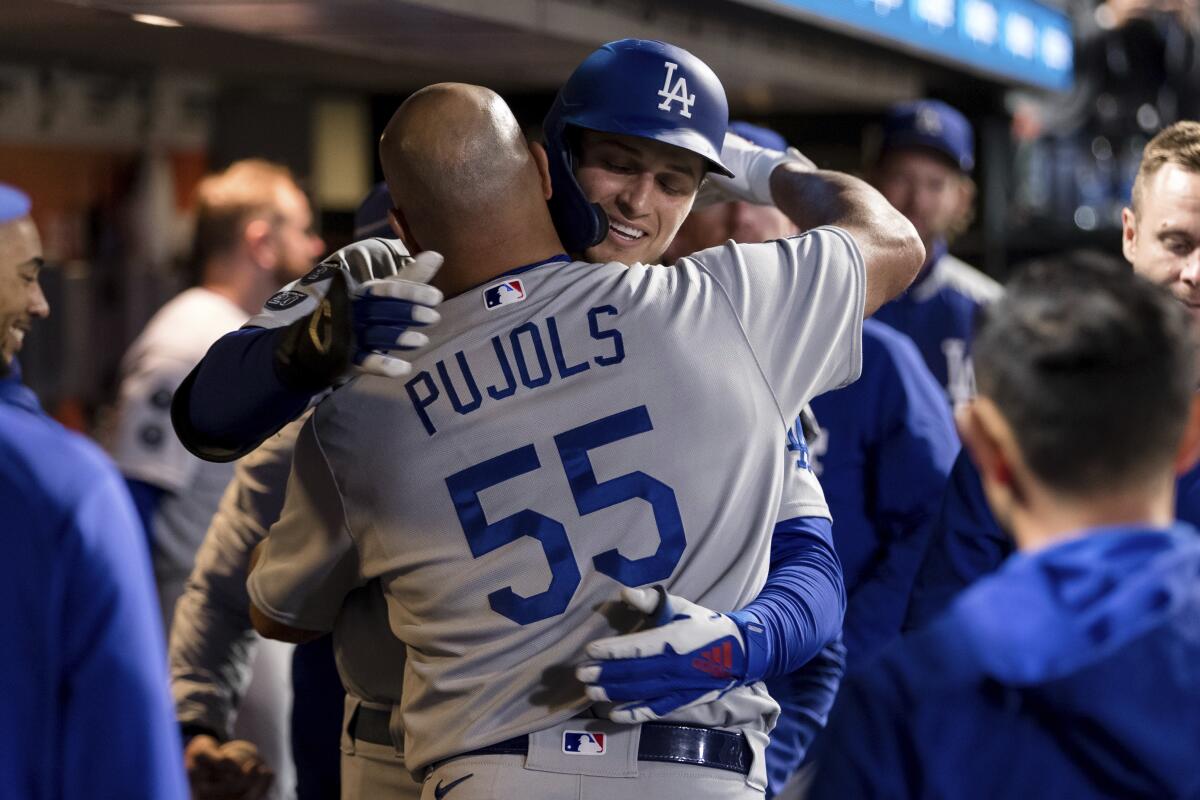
212,645
459,154
1092,689
84,711
924,170
1161,239
882,451
253,232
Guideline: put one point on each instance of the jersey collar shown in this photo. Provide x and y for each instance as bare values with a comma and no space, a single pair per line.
560,257
15,393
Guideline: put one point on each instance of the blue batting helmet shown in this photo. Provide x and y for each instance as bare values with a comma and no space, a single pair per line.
635,87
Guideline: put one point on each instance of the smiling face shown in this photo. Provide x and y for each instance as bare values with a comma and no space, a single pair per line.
645,187
1161,238
21,298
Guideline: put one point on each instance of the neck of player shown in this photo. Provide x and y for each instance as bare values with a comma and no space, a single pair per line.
1045,517
473,260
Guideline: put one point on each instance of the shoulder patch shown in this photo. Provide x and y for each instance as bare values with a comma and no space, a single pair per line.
286,299
151,436
319,273
161,398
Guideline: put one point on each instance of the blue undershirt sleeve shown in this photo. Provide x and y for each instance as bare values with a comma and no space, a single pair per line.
234,399
803,601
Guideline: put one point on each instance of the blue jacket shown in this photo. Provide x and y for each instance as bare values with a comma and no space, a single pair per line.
85,709
938,313
968,542
1091,690
884,454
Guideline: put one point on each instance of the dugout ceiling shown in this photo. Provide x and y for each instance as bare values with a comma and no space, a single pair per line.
768,61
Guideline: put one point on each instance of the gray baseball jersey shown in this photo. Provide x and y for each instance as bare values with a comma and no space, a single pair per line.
570,430
145,446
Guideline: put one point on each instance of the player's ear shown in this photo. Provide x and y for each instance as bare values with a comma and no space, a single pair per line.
543,164
1128,233
1189,444
977,428
966,196
400,228
259,243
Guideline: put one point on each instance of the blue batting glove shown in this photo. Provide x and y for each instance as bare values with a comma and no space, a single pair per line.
387,309
693,657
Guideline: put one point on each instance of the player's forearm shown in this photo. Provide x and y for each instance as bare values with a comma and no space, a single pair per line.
804,599
888,242
212,640
234,399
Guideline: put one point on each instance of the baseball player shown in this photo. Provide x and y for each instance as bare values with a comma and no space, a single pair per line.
84,710
253,231
1091,690
212,644
527,611
924,170
1161,240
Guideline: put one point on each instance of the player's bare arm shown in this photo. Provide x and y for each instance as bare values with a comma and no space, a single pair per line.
889,244
891,247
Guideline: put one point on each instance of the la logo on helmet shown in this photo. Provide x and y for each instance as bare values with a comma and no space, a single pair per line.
678,92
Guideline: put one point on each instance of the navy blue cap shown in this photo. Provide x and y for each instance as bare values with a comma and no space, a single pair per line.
371,218
931,124
14,203
763,137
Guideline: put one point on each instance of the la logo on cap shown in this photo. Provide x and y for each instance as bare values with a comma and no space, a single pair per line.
678,92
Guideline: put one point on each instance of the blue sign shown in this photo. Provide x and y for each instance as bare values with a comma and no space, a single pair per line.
1021,40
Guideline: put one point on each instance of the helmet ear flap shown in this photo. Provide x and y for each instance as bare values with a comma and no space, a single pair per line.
580,223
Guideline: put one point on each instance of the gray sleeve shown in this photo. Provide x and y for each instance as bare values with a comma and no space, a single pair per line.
300,297
309,562
212,642
799,302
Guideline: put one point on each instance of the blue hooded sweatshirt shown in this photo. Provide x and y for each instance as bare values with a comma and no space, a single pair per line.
1069,673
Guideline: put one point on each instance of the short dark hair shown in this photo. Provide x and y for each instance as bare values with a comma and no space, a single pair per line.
1094,367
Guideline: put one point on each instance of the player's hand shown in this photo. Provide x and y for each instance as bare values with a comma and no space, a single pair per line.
230,771
387,309
751,166
362,325
694,656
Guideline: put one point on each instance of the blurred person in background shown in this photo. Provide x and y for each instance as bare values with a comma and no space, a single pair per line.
254,233
924,170
882,449
84,711
212,644
1161,239
1071,671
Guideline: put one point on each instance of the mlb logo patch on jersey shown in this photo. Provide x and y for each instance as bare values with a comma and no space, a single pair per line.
503,293
583,743
319,273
